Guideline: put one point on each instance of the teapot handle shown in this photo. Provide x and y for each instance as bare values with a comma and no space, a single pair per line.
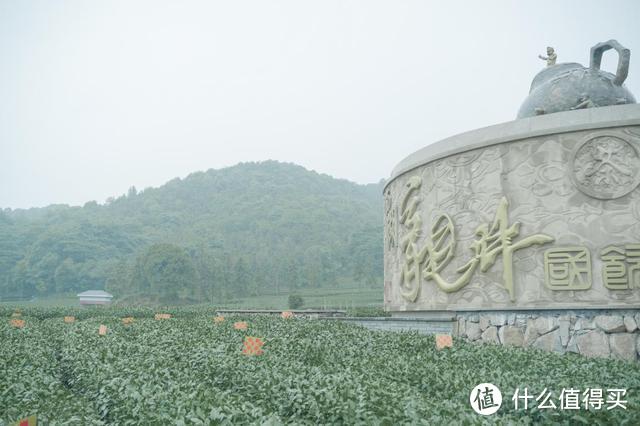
623,59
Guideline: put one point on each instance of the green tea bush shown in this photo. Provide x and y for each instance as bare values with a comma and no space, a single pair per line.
188,370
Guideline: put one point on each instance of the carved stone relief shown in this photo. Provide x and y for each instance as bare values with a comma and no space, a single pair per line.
606,167
460,194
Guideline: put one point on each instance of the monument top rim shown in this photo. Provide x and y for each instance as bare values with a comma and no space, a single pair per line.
523,128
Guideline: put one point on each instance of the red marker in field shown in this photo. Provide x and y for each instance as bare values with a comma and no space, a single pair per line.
443,341
29,421
18,323
253,346
240,325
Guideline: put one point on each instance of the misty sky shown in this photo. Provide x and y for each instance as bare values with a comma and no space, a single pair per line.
97,96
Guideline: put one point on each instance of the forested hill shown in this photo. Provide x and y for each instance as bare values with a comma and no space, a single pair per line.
250,229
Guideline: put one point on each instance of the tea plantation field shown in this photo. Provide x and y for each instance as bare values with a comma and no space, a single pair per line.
188,370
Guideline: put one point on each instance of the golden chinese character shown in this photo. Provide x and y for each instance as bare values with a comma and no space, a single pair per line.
614,268
490,242
390,221
414,256
440,250
633,259
567,268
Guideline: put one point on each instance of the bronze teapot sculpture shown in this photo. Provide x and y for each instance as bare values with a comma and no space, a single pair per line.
570,86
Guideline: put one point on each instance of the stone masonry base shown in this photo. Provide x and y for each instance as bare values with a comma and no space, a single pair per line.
592,333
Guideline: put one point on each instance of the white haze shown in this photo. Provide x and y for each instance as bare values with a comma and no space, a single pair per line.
97,96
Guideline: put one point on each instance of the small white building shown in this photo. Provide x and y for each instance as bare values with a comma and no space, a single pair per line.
95,297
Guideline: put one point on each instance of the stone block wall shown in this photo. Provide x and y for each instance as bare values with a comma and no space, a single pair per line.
593,333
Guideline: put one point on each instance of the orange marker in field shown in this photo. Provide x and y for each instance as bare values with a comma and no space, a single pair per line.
287,314
127,320
240,325
162,316
218,319
29,421
253,346
443,341
102,330
18,323
69,319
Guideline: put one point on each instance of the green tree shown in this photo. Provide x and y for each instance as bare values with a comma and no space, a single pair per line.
66,276
241,278
119,281
295,301
166,273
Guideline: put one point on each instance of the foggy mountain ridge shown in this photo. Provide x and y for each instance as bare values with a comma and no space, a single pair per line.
253,228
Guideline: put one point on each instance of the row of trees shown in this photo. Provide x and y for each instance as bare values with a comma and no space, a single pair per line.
167,273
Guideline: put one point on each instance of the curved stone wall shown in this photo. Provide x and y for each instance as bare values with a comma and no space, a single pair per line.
539,213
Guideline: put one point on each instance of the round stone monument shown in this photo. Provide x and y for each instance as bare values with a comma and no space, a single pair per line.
527,233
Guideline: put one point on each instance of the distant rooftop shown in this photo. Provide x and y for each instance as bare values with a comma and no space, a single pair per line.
94,293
